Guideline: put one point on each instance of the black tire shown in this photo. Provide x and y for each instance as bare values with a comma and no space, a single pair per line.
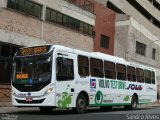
46,109
133,105
81,104
105,108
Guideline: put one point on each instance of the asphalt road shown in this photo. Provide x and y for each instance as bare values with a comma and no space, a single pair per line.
147,113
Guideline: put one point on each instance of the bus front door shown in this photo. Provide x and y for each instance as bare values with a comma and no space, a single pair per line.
65,80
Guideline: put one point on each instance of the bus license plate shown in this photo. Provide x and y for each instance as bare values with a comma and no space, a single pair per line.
29,99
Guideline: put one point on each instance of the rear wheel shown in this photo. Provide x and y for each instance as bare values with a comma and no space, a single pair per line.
133,105
46,109
81,104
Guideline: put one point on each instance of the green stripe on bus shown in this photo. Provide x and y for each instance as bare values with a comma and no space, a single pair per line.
113,104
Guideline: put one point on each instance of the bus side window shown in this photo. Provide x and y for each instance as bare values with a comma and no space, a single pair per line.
64,69
96,67
121,72
140,75
109,70
147,76
131,73
83,66
153,77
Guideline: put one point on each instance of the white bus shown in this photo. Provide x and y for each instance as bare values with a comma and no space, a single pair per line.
54,76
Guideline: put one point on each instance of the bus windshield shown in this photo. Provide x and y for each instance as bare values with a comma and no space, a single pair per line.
32,70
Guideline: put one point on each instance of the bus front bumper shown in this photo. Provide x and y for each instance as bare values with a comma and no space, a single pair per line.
48,100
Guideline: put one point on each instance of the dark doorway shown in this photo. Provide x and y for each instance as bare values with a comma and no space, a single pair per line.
7,52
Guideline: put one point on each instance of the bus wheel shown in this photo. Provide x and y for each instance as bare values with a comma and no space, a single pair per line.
46,109
105,108
134,102
133,105
81,104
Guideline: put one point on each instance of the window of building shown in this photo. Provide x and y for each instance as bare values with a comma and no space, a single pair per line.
131,73
153,77
83,66
48,14
85,28
154,53
121,72
59,18
104,41
81,26
109,70
147,76
26,6
29,7
65,20
37,10
20,5
140,48
73,23
90,30
11,4
53,16
140,75
96,67
64,69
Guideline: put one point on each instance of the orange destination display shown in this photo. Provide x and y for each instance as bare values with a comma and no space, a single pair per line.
33,50
22,76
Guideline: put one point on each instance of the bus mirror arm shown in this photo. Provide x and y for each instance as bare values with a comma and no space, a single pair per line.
60,54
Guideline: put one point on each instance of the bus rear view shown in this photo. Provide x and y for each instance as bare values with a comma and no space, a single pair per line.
32,75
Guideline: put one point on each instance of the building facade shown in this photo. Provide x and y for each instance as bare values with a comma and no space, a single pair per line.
73,23
137,37
104,29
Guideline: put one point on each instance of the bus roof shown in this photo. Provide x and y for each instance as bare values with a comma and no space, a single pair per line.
97,55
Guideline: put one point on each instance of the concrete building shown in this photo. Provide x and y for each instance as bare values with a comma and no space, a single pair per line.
137,37
72,23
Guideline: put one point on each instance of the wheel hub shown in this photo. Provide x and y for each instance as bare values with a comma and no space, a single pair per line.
81,103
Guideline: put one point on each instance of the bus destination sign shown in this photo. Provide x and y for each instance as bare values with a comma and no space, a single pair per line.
33,50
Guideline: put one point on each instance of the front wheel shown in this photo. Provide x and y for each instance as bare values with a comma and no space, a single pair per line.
81,104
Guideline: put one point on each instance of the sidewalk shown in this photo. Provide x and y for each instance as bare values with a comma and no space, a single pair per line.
149,105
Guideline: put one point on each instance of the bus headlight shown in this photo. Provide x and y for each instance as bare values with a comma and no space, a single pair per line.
49,90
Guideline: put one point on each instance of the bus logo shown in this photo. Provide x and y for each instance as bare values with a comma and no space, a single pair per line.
93,83
134,87
29,94
99,98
